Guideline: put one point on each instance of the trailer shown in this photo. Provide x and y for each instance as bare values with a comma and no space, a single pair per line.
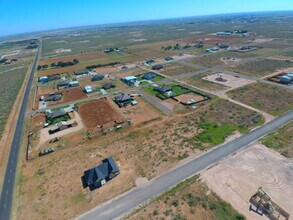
263,204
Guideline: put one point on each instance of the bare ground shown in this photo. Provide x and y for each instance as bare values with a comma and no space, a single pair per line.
238,177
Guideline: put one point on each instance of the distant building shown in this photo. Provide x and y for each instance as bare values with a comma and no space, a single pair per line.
149,76
61,126
99,175
157,67
129,80
168,58
88,89
62,84
56,114
163,89
81,72
108,86
123,100
43,79
73,84
97,77
52,97
224,33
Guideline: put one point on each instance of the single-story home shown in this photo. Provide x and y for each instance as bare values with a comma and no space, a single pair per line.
81,72
123,100
149,76
53,97
97,77
43,79
157,67
99,175
88,89
168,58
163,89
62,84
73,83
54,77
129,80
108,86
62,125
56,114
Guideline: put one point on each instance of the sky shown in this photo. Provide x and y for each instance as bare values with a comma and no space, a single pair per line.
21,16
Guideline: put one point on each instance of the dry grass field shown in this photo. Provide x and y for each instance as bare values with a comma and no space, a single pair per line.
175,69
146,151
268,98
281,140
189,200
261,68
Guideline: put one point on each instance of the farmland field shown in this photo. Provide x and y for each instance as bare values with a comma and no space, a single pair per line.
10,85
268,98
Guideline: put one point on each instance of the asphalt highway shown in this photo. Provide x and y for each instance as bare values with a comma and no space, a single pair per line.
11,167
124,204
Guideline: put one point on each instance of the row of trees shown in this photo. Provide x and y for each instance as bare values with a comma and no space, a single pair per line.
59,64
184,47
102,65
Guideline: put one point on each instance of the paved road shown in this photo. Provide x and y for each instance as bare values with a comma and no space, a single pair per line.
10,173
129,201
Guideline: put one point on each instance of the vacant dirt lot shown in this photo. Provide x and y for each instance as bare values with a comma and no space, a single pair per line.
261,68
175,69
69,69
198,81
228,80
186,97
38,121
99,113
268,98
238,177
80,57
137,113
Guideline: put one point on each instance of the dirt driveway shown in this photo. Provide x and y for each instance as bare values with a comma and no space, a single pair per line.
45,136
238,177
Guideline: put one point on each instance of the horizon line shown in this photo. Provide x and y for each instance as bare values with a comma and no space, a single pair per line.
135,21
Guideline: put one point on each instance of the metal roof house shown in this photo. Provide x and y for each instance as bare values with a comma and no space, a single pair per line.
88,89
81,72
62,125
97,77
56,114
73,83
149,76
123,100
99,175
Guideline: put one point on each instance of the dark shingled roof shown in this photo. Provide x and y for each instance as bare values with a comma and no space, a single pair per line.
149,76
97,77
80,72
56,114
54,97
105,171
122,98
163,89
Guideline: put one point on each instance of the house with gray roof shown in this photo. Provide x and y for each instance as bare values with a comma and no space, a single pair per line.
53,97
163,89
81,72
56,114
123,100
99,175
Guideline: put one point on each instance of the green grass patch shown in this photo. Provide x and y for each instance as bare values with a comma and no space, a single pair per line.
215,134
57,109
56,120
